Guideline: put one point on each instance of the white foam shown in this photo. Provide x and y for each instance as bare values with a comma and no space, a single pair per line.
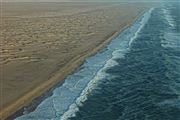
91,85
168,17
142,22
171,39
65,99
101,74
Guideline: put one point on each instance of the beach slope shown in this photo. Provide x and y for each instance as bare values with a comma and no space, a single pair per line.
41,43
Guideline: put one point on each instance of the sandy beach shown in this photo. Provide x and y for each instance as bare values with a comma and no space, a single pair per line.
41,43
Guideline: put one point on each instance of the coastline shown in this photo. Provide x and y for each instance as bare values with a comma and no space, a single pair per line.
60,75
70,67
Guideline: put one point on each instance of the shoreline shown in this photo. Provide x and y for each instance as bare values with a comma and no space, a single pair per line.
59,76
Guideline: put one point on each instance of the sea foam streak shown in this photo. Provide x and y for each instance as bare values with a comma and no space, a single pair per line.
171,37
101,73
171,42
65,99
143,22
168,17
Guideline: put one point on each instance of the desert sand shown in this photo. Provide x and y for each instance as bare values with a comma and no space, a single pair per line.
41,43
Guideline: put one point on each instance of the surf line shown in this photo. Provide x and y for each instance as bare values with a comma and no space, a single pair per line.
73,108
144,20
168,16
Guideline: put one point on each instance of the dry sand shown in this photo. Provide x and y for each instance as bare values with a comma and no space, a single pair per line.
41,43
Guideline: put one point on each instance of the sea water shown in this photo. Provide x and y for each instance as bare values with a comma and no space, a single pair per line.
136,77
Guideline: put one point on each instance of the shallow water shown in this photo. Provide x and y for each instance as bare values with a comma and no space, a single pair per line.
136,77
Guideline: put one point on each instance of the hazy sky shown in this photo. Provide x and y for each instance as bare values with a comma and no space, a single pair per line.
78,0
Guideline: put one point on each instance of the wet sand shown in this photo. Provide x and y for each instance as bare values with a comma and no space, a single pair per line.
41,43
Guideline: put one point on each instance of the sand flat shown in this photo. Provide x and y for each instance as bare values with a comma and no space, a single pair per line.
41,43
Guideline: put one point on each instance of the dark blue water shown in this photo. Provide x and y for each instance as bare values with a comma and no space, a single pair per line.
145,84
136,77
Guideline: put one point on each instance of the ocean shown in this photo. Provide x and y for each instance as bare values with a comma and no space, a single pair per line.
136,77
